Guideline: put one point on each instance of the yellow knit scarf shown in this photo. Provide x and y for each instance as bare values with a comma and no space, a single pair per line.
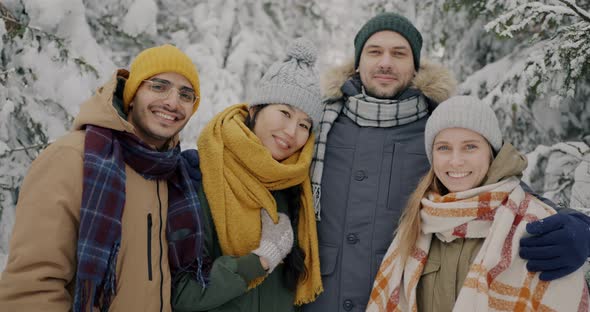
238,175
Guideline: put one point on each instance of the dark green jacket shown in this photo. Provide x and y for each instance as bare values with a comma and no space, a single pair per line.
227,289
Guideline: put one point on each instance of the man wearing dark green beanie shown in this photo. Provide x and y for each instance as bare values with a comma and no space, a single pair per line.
393,22
370,156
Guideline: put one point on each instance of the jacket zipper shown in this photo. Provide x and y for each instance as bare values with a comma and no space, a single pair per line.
160,239
149,245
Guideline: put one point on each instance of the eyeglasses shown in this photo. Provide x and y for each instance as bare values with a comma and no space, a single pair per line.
163,89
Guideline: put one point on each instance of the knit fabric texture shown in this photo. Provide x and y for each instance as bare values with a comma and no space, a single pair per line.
367,111
294,81
276,240
463,112
389,21
239,175
157,60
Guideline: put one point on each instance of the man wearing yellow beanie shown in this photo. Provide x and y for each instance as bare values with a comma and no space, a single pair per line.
153,75
103,211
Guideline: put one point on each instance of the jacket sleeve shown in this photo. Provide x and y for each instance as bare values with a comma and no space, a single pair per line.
42,254
229,276
228,279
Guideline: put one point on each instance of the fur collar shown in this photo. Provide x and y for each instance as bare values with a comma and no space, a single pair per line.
435,81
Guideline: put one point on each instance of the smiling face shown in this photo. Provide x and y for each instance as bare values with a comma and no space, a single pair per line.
386,64
460,158
157,119
282,129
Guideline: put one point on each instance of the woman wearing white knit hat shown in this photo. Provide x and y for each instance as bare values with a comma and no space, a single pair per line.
456,248
255,195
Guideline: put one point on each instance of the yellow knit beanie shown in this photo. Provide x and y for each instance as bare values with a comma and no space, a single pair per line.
156,60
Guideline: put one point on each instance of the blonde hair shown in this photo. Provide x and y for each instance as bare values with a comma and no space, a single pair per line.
409,226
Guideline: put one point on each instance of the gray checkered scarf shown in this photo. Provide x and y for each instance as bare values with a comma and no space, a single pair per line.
365,111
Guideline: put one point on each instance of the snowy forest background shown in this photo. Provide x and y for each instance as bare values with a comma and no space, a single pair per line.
530,60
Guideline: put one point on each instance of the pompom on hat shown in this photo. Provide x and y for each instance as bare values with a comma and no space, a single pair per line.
294,81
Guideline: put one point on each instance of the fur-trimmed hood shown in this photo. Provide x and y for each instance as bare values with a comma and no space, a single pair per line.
435,81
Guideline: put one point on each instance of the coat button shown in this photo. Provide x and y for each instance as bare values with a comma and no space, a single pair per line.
352,238
347,305
360,175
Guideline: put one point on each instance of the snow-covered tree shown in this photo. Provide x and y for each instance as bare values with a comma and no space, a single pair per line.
528,59
552,74
55,54
540,88
40,79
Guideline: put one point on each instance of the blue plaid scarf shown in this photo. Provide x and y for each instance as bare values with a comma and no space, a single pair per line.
103,197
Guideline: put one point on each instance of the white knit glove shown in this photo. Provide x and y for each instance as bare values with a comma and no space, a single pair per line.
276,240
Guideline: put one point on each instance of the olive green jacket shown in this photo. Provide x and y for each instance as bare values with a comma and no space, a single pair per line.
227,288
447,264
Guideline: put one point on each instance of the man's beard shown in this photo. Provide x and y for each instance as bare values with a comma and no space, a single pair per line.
374,91
385,95
381,95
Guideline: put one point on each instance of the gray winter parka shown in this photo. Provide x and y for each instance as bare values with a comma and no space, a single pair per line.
368,175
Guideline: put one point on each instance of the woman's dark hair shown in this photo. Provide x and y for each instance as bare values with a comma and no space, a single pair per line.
250,121
294,262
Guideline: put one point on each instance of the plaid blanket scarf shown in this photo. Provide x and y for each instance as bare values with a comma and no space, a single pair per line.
103,197
365,111
497,279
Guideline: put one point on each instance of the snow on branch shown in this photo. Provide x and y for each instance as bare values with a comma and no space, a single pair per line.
39,146
585,15
563,29
527,14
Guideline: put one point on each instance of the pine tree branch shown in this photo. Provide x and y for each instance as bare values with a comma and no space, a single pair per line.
585,15
8,184
230,39
578,196
14,21
25,148
576,147
8,71
9,20
560,186
525,14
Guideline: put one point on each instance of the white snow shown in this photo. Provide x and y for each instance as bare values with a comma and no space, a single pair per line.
232,42
141,18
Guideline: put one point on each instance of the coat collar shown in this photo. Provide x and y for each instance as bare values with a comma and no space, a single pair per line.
433,80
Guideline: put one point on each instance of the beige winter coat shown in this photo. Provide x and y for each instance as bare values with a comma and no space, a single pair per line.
41,267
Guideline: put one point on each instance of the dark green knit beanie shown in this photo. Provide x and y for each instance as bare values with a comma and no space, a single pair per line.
393,22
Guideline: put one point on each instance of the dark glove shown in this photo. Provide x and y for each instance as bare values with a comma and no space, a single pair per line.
559,246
